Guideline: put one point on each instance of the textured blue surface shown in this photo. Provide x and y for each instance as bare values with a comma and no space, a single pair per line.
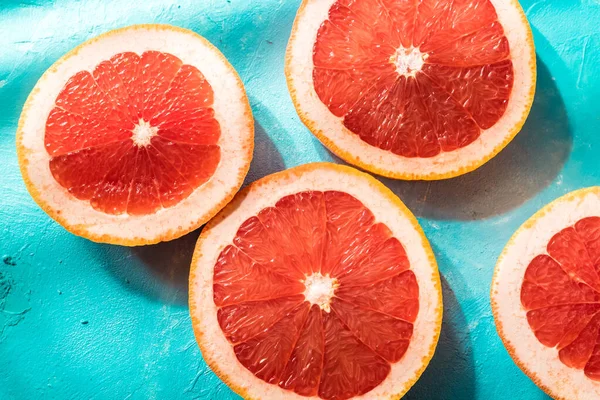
80,320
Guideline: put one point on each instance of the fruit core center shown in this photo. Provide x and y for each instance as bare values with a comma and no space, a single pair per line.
320,289
408,61
143,133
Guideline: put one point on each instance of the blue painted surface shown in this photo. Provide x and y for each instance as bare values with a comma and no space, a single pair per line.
80,320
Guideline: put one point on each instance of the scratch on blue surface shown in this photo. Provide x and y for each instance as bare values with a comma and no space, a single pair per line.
193,383
583,55
14,305
531,7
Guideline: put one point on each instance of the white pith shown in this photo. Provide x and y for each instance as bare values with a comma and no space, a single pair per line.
230,103
300,71
219,352
541,362
143,133
408,61
320,290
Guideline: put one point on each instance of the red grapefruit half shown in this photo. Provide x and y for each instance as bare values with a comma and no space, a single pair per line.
410,89
546,296
316,282
137,136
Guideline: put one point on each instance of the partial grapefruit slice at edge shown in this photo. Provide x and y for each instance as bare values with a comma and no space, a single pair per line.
231,111
215,246
536,279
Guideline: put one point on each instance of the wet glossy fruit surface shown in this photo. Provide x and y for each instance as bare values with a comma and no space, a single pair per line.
315,296
561,293
136,134
414,78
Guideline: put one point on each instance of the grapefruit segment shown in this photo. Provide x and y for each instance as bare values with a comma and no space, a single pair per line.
378,116
301,230
266,355
486,95
347,220
387,336
307,290
397,296
426,137
592,367
200,127
350,368
486,46
126,69
364,243
67,132
452,124
81,95
578,352
568,248
238,279
109,81
589,231
172,186
345,37
156,76
242,322
189,91
409,116
257,238
303,371
547,284
112,193
439,23
341,89
430,18
287,255
144,194
392,21
195,163
96,160
386,261
131,149
559,325
546,296
395,87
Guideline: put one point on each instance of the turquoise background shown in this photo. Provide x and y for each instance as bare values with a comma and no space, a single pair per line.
80,320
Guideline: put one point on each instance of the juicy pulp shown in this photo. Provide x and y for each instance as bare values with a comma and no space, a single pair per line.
136,134
414,78
277,334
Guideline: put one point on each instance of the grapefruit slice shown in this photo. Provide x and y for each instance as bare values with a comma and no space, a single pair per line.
316,281
137,136
546,296
412,89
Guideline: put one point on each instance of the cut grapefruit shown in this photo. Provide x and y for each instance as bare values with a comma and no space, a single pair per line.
546,296
412,89
316,282
137,136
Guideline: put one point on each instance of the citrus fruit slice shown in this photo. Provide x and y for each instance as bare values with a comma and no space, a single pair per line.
546,296
137,136
316,281
412,89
